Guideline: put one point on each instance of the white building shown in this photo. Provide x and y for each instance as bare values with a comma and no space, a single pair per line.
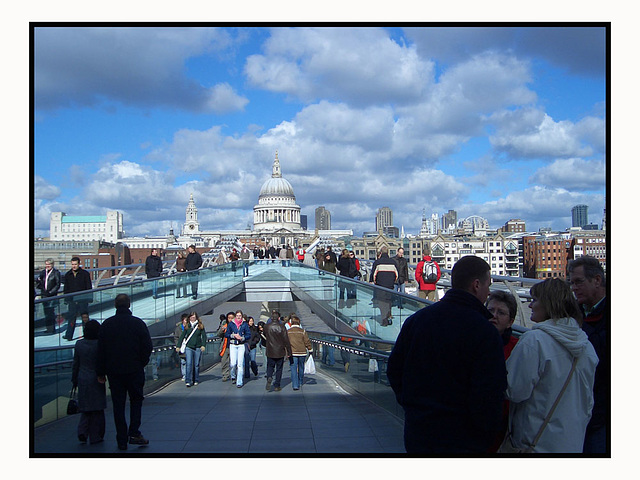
277,208
108,228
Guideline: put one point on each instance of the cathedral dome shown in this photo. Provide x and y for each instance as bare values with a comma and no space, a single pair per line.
276,208
277,186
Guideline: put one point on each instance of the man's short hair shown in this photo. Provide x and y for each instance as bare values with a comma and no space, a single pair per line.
468,269
75,259
192,246
590,266
384,249
426,251
50,261
122,301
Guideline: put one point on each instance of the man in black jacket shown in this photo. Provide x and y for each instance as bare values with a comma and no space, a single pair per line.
76,280
588,283
49,283
153,269
447,369
193,263
124,348
278,346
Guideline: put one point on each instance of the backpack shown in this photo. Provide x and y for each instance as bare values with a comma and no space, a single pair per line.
429,272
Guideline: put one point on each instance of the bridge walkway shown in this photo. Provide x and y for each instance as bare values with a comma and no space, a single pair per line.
216,417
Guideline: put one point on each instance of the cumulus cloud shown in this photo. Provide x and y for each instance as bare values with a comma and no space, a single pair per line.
572,174
531,133
44,190
540,206
580,50
143,67
313,63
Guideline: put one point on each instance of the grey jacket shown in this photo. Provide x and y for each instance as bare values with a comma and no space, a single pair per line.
92,395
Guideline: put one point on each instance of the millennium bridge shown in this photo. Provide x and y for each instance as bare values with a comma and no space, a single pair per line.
346,408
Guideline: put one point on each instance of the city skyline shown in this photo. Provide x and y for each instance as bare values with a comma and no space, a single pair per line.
497,122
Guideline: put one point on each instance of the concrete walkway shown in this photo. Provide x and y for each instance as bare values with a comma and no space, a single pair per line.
218,418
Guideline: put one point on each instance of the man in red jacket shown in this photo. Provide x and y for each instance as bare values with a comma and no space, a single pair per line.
427,283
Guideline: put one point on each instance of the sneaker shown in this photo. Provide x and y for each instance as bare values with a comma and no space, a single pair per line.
195,383
188,384
268,384
277,389
239,386
233,380
139,440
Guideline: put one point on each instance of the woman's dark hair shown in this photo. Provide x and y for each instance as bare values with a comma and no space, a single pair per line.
91,330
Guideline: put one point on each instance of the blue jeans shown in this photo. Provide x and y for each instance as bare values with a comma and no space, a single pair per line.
193,365
399,287
236,362
297,371
245,269
327,352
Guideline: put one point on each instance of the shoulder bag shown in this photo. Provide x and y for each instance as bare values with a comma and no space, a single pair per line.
507,444
183,347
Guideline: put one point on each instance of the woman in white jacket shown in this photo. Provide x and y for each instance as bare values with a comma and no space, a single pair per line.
538,368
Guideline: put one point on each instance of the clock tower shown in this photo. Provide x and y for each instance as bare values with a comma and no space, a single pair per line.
191,225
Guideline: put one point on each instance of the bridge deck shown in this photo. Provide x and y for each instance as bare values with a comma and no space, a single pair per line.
216,418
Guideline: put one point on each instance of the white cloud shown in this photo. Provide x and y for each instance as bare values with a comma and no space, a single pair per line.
223,99
312,63
572,174
532,133
44,190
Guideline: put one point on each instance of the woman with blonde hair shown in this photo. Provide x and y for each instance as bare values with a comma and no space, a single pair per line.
550,375
196,341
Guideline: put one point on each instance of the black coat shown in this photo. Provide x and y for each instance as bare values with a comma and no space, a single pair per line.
596,326
53,283
78,282
124,344
194,261
153,266
448,372
347,267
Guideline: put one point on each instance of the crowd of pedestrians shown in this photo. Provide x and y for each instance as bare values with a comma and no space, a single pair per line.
467,384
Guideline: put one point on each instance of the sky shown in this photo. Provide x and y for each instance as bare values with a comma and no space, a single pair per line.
502,122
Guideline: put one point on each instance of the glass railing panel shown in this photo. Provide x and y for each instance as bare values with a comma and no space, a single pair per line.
358,364
53,367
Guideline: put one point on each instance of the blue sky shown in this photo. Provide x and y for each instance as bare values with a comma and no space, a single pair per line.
501,122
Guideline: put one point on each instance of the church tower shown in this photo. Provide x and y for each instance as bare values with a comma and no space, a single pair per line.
191,224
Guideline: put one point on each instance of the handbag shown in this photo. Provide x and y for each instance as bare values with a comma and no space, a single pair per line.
72,405
309,366
507,444
183,347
